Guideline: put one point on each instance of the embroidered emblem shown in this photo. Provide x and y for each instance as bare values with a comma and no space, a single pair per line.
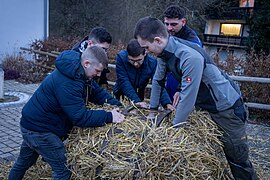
188,79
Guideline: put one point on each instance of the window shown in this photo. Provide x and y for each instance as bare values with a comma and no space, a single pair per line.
230,29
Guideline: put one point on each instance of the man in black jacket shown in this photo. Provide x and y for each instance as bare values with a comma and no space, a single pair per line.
98,36
175,22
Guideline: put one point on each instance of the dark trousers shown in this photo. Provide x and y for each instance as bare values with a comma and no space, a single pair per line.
233,124
46,144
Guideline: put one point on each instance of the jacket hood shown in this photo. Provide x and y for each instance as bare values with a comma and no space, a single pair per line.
69,64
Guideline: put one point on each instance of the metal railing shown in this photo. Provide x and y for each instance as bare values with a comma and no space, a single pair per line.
235,41
235,78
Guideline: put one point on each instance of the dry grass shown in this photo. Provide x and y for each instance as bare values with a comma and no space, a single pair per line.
136,148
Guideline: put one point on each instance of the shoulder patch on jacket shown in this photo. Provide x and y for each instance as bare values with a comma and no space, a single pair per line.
188,79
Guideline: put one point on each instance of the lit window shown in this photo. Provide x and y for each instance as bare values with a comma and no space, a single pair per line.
230,29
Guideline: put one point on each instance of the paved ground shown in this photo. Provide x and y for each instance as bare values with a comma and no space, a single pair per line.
10,136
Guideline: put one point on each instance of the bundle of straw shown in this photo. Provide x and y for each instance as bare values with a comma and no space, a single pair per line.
138,149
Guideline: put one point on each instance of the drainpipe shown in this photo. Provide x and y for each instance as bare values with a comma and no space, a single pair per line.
46,19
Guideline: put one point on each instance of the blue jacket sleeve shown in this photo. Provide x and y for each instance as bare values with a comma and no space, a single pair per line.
70,98
100,96
123,81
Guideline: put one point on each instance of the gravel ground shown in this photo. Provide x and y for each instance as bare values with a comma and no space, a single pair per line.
259,142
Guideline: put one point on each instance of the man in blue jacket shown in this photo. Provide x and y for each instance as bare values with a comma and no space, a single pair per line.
203,85
175,22
59,104
134,69
98,36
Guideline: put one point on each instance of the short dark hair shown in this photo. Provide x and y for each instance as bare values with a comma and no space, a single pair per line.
95,54
134,49
175,11
100,35
148,28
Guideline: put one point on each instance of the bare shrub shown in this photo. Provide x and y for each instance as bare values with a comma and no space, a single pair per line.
113,50
52,45
255,65
17,67
34,71
258,65
11,65
232,65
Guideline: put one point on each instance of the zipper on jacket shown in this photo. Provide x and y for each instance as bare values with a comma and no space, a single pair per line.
138,82
87,95
211,89
135,80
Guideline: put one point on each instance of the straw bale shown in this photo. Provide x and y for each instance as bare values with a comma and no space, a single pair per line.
138,149
144,151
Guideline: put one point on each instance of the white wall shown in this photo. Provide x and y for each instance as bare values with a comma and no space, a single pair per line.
238,53
21,22
212,27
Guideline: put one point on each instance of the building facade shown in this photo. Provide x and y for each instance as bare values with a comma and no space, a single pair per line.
227,33
22,22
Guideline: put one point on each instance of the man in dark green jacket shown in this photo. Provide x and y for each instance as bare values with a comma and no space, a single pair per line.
59,104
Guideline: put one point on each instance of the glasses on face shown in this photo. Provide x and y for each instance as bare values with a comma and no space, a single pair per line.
139,61
171,24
